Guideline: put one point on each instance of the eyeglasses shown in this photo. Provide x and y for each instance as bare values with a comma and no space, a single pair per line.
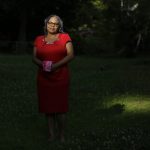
53,24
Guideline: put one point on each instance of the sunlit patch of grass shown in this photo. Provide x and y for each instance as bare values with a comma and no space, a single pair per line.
132,104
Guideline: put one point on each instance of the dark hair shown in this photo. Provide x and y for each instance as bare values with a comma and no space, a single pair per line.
60,23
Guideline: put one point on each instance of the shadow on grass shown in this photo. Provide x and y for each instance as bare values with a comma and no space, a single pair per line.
113,110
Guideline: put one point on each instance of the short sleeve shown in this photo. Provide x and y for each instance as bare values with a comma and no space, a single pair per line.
66,38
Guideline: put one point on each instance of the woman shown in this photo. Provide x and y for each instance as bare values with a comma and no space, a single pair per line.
52,52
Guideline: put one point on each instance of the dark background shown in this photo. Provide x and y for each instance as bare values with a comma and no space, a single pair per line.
97,27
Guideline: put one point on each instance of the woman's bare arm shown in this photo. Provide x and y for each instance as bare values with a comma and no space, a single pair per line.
35,59
66,59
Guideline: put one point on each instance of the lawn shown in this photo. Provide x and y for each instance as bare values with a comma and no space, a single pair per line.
109,105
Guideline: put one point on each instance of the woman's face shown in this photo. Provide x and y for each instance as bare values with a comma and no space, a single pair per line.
53,25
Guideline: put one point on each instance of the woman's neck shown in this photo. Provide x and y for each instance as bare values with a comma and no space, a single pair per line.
52,34
51,37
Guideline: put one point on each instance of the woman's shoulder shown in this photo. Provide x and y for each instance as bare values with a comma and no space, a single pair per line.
38,39
65,35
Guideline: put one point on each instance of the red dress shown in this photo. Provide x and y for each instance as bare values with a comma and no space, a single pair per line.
52,87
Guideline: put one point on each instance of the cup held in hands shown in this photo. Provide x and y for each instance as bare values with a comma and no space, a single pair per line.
47,65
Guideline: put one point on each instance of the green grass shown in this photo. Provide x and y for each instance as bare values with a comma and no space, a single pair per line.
109,105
